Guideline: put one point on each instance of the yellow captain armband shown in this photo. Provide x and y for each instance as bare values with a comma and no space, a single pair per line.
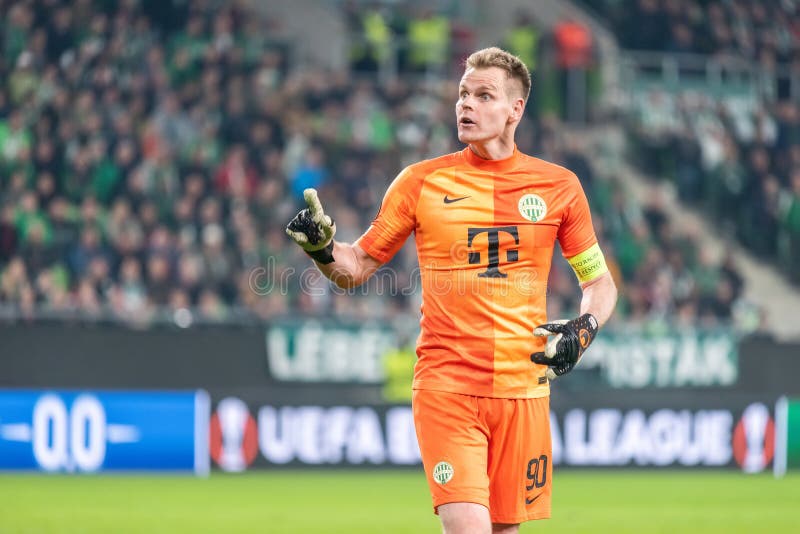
589,264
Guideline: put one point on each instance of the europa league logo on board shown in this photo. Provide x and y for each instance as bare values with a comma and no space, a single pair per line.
754,439
233,435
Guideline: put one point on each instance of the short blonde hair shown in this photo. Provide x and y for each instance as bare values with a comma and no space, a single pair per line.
497,57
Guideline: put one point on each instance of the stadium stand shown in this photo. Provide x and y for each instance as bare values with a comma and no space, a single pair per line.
150,156
731,149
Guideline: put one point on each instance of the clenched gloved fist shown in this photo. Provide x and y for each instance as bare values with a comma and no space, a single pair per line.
564,350
313,230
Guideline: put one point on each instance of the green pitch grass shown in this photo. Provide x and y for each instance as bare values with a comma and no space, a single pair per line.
388,502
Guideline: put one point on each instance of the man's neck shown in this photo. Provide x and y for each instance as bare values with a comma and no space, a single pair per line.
496,149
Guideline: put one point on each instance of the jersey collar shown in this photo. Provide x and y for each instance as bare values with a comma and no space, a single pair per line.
492,165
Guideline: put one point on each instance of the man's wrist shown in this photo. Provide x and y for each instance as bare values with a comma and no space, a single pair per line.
323,255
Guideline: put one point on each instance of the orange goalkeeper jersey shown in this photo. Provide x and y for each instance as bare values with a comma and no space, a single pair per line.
485,231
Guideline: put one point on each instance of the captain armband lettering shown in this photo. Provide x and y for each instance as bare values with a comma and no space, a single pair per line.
589,264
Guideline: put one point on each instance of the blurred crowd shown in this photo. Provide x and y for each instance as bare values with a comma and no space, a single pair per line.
764,31
152,153
737,160
733,152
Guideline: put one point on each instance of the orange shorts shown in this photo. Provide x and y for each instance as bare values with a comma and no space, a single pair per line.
494,452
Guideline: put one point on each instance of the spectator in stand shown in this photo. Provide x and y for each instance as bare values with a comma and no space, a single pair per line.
789,240
573,43
8,234
84,251
310,173
237,177
523,39
428,41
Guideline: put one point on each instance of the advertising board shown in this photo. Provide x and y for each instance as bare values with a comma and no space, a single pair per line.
735,433
92,431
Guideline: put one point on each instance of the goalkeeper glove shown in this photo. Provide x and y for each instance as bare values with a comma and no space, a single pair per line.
313,230
563,352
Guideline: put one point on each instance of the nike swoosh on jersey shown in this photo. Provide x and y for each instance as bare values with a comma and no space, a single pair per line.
451,200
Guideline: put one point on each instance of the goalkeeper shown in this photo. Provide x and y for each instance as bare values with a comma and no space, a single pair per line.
485,221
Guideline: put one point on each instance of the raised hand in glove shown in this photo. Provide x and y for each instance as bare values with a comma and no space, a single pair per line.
312,229
564,350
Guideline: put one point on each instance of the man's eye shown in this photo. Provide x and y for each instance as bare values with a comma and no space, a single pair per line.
485,96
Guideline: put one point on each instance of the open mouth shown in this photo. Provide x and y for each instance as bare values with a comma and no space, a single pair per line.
466,121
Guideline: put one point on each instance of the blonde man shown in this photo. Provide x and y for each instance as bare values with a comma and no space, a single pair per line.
485,221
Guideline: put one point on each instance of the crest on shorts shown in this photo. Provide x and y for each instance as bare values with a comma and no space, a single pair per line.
442,472
532,207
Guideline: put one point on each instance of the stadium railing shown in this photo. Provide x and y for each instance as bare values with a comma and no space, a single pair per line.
716,75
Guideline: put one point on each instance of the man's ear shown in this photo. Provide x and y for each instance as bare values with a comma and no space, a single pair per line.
517,109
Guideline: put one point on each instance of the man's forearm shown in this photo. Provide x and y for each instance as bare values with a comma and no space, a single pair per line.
351,266
599,298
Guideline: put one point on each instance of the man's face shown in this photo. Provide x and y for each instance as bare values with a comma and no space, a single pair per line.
484,107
